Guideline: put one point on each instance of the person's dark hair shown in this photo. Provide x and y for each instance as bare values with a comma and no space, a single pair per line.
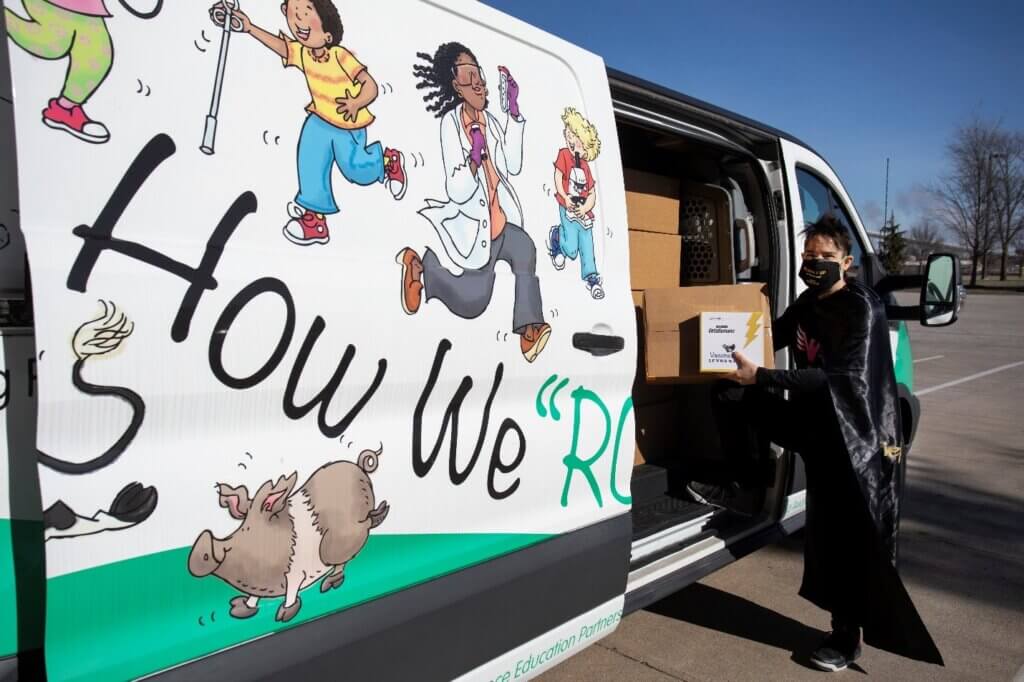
829,226
436,77
331,20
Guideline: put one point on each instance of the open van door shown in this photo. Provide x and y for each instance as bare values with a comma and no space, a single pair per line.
310,402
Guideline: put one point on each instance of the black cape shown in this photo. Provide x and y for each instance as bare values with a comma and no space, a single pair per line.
853,502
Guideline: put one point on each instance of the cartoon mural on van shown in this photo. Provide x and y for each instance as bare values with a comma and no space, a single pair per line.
289,539
481,223
335,130
76,30
576,193
135,502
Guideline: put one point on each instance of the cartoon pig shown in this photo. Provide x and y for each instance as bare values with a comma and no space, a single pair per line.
290,539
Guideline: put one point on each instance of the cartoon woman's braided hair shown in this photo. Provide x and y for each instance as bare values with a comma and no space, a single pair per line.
436,77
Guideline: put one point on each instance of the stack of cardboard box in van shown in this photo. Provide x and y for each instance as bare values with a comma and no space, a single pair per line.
655,256
668,312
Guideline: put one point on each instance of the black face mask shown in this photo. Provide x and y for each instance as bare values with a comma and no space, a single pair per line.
820,275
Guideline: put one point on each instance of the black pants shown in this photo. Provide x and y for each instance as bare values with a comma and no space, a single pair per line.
834,570
468,294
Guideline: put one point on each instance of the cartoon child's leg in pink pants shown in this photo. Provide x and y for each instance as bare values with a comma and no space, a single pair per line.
53,33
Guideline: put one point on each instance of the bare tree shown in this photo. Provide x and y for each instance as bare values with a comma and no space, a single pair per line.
924,239
1008,179
965,194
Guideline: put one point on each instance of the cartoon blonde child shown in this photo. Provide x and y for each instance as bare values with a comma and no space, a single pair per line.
576,194
77,30
335,129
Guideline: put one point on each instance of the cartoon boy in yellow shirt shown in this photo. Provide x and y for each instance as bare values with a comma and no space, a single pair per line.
335,129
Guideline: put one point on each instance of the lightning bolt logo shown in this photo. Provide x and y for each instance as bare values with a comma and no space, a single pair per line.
752,324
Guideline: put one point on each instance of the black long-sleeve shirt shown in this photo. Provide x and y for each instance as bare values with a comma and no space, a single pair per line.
787,331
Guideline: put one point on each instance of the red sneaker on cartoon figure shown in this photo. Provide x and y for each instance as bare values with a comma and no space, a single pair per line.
309,228
394,171
75,122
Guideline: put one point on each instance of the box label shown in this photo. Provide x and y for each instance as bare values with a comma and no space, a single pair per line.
723,333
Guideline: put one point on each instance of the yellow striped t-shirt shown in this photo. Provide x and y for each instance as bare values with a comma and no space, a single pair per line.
332,76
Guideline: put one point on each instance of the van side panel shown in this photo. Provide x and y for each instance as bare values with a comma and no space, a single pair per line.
246,419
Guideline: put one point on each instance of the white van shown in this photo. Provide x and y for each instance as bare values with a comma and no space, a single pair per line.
329,363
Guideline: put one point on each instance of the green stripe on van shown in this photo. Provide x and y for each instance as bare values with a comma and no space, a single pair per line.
21,570
130,618
8,593
904,359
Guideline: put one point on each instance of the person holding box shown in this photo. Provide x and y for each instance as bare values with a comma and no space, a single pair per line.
843,419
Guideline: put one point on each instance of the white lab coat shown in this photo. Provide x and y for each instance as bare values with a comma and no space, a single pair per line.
464,221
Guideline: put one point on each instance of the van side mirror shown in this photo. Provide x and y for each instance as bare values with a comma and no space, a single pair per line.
940,291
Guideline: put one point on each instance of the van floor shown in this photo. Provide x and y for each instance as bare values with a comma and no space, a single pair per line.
655,506
659,505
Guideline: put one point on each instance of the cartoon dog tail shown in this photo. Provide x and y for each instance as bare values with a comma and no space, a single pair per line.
369,459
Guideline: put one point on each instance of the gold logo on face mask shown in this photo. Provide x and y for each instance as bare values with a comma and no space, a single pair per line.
893,452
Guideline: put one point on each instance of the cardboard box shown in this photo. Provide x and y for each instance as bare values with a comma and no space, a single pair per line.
672,327
645,393
654,259
652,202
721,333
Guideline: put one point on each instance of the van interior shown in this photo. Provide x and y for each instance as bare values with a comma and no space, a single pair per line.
699,215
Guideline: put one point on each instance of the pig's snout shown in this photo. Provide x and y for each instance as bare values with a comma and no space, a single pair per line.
203,559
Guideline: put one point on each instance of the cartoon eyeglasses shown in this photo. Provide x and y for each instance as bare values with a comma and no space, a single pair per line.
465,72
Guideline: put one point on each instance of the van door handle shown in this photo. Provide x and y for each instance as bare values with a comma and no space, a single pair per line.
598,344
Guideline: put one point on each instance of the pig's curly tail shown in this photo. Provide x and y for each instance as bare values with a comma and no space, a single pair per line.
369,459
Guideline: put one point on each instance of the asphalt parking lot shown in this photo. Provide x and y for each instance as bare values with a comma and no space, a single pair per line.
962,543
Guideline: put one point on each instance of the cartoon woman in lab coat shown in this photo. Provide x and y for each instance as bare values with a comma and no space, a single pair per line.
482,221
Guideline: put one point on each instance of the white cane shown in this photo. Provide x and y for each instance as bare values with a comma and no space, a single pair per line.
223,16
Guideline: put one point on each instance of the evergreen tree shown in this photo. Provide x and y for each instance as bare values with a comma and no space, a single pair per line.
894,246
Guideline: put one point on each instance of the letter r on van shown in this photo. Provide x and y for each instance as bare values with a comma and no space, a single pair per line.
572,461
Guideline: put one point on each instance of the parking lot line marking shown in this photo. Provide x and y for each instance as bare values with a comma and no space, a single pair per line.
930,357
972,377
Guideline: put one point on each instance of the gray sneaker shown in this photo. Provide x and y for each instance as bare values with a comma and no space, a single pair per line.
837,651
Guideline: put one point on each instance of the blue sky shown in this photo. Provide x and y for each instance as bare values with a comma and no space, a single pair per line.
856,81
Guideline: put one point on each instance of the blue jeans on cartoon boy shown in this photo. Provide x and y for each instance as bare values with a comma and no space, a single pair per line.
575,240
321,147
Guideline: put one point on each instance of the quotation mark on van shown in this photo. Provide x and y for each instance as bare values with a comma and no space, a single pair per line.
547,405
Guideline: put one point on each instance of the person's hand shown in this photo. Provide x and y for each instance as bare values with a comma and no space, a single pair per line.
239,19
348,107
746,370
478,142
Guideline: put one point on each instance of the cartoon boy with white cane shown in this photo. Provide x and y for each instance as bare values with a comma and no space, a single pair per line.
334,132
